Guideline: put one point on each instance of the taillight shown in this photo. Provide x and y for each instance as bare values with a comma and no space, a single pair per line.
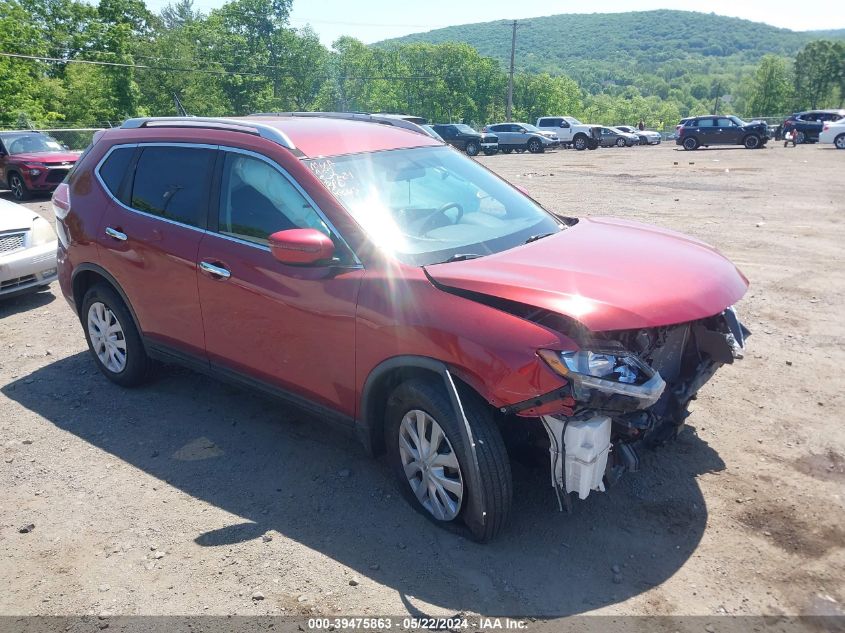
61,201
824,128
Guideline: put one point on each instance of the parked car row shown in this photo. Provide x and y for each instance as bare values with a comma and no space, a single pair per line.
806,127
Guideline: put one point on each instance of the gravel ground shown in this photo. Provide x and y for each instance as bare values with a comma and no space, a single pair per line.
188,496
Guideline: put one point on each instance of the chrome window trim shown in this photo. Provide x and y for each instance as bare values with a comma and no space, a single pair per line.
284,173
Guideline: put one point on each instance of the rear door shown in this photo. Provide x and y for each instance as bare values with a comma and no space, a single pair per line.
150,235
506,134
706,131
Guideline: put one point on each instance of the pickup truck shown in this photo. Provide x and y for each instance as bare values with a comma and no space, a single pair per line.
571,132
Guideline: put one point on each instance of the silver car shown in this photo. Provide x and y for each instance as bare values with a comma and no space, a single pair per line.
646,137
522,136
610,136
27,250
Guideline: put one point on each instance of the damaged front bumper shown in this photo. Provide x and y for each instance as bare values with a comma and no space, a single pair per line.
641,397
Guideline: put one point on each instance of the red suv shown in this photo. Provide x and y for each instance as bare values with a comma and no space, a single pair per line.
32,162
397,288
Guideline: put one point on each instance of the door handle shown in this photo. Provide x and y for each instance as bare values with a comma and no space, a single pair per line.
215,271
118,235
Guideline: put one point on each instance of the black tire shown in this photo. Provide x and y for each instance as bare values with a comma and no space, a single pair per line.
800,137
472,148
18,187
491,152
592,144
138,365
580,142
535,146
839,142
506,150
752,141
430,396
621,142
690,143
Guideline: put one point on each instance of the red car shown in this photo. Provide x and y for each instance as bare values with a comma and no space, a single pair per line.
32,162
398,289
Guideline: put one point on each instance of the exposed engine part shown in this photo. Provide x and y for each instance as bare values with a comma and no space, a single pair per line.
578,452
625,460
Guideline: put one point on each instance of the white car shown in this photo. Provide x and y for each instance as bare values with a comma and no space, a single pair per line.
27,250
833,132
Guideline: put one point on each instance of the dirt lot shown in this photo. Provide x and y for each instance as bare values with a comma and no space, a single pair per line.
189,496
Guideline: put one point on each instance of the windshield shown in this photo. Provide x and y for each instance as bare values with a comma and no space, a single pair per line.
28,143
464,128
737,120
429,204
528,127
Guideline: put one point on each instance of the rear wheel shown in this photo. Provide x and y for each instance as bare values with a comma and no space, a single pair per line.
752,141
580,142
18,187
491,152
506,150
112,337
690,143
839,141
800,137
472,148
427,453
535,146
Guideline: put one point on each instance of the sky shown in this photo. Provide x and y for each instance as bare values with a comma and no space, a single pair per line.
374,20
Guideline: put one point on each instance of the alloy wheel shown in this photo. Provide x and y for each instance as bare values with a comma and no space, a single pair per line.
16,185
431,465
107,338
839,141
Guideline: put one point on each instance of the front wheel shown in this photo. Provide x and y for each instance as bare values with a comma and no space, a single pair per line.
580,142
535,146
620,142
428,455
690,144
112,337
18,187
752,141
472,148
839,141
506,150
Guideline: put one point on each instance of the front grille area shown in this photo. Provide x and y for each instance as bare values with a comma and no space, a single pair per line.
11,242
15,282
56,175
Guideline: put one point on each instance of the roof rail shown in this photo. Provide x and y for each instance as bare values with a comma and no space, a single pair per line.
235,125
396,120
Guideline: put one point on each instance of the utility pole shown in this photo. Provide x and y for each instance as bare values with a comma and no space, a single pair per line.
509,108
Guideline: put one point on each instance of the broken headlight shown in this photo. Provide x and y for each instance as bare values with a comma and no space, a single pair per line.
616,373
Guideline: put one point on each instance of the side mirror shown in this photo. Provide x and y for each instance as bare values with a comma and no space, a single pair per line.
301,247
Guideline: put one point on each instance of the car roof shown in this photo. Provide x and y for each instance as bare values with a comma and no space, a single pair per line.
307,137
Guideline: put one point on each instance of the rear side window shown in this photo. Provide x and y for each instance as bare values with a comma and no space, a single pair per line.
173,183
114,168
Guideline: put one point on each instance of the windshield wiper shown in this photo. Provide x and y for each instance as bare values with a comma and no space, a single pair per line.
534,238
459,257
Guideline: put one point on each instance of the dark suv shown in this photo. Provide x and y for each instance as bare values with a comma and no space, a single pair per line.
397,289
32,162
704,131
463,137
808,125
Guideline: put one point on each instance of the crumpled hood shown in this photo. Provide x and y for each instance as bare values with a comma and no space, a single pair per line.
608,274
46,157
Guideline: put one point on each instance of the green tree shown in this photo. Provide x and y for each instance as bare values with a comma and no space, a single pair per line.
816,72
771,92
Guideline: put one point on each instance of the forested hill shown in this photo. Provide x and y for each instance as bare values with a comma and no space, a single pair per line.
614,46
